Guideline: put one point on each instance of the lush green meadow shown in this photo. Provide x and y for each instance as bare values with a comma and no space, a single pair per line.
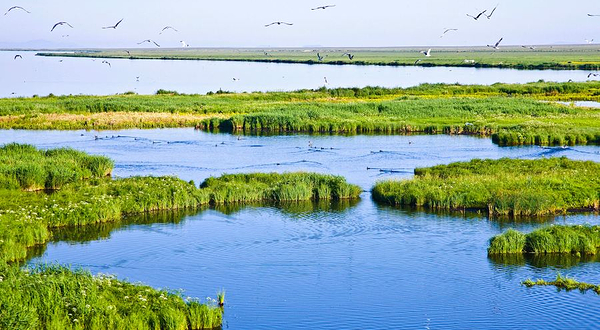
510,114
564,283
510,187
574,239
582,57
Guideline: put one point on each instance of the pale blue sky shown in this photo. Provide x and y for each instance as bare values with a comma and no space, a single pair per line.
352,23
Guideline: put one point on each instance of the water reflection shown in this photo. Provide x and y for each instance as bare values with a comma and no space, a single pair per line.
555,260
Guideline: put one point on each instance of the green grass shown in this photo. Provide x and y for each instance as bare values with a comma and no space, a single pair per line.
575,239
564,283
507,187
583,57
25,167
55,297
510,114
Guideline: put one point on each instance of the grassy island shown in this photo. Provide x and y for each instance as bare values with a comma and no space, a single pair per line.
576,239
564,283
510,187
82,195
509,114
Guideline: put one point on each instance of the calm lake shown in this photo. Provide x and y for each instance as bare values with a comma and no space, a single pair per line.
350,265
36,75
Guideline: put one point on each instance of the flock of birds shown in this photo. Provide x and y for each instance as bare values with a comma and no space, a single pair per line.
320,58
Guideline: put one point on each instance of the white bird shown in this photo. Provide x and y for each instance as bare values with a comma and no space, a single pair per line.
476,17
148,40
417,62
19,56
321,58
350,56
426,53
167,28
593,75
530,47
589,41
492,13
113,26
446,31
17,7
107,62
183,44
323,7
278,23
60,23
592,15
495,46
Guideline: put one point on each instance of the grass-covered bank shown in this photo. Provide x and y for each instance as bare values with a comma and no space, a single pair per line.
575,239
511,187
511,114
564,283
55,297
569,57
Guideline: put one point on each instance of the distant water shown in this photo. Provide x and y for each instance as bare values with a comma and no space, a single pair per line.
62,76
353,265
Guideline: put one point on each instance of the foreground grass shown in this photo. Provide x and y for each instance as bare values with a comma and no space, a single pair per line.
510,187
564,282
511,114
576,239
584,57
54,297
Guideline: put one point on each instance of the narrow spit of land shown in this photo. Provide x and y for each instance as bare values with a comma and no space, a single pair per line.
58,297
572,57
512,114
564,283
504,187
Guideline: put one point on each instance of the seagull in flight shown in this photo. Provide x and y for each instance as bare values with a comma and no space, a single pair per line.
148,40
167,28
60,23
476,17
113,26
183,43
19,56
321,58
496,45
589,41
278,23
530,47
426,53
17,7
593,75
417,62
590,15
323,7
350,56
446,31
492,13
107,62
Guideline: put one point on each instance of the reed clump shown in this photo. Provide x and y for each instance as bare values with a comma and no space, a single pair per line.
504,187
563,283
56,297
574,239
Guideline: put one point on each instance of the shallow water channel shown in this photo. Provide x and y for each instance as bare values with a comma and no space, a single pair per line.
343,265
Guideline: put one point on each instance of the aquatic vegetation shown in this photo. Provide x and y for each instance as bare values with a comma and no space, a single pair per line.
564,283
504,187
555,57
56,297
575,239
221,297
510,114
25,167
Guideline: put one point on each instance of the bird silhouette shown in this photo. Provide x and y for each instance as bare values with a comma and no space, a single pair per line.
168,28
492,13
323,7
113,26
426,53
17,7
61,23
476,17
350,56
107,62
150,41
495,46
19,56
278,23
446,31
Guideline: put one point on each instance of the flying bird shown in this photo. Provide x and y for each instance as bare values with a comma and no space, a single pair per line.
321,58
19,56
17,7
589,41
417,62
476,17
593,74
323,7
279,23
530,47
492,13
113,26
446,31
590,15
148,40
326,82
107,62
183,44
167,28
350,56
495,46
426,53
60,23
128,53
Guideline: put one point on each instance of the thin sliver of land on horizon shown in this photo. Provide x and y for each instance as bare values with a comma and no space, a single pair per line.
569,57
512,114
503,187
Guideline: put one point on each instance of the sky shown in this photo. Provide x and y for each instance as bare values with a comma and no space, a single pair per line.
351,23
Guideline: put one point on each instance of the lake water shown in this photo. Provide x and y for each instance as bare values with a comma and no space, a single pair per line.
353,265
33,75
